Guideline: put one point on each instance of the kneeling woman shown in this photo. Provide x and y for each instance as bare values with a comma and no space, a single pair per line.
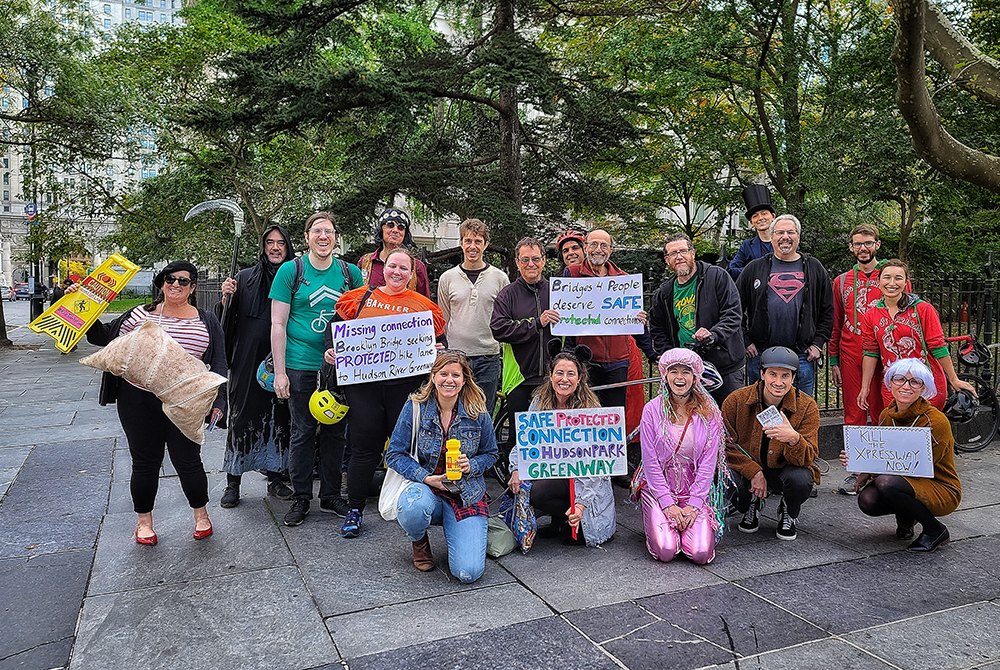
682,450
914,499
566,388
451,407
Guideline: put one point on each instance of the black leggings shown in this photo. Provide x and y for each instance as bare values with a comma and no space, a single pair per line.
892,494
551,496
148,430
375,408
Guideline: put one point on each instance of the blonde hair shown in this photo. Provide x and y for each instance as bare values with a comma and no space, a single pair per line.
581,398
471,395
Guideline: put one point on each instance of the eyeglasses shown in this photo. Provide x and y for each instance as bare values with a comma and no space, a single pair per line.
670,255
900,380
534,260
785,233
395,224
329,232
864,245
598,245
183,281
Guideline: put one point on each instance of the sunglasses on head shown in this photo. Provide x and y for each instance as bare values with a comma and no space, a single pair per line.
183,281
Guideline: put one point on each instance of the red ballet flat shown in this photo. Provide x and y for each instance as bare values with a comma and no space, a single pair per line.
202,534
151,540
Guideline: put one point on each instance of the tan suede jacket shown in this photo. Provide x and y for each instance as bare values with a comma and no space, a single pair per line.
744,432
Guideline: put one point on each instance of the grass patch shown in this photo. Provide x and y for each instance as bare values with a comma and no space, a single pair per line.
125,304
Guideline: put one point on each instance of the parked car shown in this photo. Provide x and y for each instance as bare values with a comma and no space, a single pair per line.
21,292
6,293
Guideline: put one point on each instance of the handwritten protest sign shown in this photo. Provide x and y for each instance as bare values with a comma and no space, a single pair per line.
889,450
384,347
596,305
571,443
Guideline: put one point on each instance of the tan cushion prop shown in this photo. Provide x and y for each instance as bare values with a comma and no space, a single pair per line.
148,356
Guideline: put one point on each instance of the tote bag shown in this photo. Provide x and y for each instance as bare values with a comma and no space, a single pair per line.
394,482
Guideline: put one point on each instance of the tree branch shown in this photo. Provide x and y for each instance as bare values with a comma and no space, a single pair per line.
969,68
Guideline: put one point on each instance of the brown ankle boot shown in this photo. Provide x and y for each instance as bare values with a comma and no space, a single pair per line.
422,557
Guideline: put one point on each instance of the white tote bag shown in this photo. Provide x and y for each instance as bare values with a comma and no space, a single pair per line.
394,483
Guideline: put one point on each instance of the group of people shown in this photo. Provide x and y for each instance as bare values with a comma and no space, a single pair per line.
705,449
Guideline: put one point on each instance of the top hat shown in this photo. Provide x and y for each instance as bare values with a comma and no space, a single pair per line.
757,197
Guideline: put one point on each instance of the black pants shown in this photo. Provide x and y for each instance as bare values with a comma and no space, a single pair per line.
302,446
375,408
148,431
551,496
518,400
599,375
793,482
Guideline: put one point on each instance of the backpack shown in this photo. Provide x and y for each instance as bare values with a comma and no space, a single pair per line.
300,275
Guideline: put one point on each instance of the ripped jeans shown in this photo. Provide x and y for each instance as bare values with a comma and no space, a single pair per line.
419,507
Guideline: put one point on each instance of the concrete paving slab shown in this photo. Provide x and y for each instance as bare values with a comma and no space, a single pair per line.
7,476
33,396
819,655
373,570
964,637
836,519
981,554
13,457
62,460
265,617
663,645
50,434
41,598
39,518
50,655
626,571
602,624
974,522
415,622
852,595
543,644
733,619
171,496
30,417
241,542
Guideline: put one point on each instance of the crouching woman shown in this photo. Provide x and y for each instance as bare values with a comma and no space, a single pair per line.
451,407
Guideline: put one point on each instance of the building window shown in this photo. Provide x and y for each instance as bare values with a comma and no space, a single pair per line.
107,9
107,24
163,18
110,170
6,178
6,208
6,195
24,103
128,13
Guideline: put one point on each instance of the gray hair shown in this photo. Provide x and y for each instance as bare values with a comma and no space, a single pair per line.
917,370
789,217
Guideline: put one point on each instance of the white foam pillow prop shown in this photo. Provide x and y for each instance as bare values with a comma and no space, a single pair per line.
149,357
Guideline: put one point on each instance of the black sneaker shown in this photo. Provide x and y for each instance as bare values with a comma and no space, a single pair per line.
297,514
230,497
751,519
352,523
786,524
336,506
279,490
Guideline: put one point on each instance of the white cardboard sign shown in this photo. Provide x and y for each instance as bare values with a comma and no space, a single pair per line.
596,305
562,443
384,347
889,450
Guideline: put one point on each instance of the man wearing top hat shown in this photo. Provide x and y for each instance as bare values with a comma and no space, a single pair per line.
760,214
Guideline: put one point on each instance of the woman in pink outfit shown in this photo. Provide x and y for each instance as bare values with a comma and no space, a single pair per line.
682,452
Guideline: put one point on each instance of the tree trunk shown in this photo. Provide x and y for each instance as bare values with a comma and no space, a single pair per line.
4,340
510,126
791,107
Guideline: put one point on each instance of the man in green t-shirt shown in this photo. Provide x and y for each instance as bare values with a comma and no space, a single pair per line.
298,324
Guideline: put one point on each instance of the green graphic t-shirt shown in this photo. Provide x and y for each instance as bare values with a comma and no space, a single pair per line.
685,305
311,308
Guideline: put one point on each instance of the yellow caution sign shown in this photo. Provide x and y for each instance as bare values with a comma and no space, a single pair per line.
69,318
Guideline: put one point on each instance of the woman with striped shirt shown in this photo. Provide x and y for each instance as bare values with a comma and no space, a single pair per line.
146,427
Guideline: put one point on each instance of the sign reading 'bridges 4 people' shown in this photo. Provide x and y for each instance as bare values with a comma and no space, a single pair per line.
558,444
894,450
596,305
384,347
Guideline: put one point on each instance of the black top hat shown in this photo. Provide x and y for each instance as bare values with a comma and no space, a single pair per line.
757,197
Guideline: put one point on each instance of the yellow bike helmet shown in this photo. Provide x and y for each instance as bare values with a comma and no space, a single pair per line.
326,408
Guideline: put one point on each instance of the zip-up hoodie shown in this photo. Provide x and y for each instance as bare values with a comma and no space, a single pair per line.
516,314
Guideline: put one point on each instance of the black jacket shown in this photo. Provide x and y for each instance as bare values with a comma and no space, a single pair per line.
516,313
717,309
815,319
215,355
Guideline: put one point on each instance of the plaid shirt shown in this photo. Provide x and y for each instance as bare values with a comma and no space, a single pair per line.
480,508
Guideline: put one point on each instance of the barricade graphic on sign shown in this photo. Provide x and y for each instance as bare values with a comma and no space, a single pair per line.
384,347
894,450
557,444
69,318
596,305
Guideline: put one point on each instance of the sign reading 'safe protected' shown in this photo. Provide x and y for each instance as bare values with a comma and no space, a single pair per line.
558,444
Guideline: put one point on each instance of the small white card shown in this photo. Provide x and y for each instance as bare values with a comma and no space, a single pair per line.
770,417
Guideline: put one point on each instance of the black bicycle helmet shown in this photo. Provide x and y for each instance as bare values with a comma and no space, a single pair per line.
960,407
779,357
710,378
975,355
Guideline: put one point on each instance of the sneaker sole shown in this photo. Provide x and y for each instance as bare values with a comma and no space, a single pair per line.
228,505
349,534
275,495
333,511
788,538
296,524
748,530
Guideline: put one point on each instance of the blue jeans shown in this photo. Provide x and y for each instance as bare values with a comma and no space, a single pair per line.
302,441
805,380
419,507
486,371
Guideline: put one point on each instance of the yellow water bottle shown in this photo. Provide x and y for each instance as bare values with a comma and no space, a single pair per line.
453,451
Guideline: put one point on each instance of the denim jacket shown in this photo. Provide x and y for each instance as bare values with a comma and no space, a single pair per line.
476,436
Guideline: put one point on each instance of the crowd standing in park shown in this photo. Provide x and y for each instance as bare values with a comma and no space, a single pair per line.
733,422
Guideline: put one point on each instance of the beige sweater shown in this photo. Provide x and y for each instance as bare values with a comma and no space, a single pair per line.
468,309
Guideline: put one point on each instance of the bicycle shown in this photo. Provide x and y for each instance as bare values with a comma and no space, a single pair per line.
976,432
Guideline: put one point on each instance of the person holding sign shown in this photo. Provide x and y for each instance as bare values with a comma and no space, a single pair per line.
914,499
682,454
901,325
452,407
772,438
593,508
376,405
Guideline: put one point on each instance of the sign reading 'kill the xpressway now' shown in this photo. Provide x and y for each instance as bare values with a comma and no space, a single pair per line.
893,450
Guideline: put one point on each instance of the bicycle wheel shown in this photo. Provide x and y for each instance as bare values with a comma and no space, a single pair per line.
979,431
502,428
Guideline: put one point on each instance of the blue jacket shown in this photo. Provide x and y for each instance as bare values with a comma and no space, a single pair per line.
750,250
478,443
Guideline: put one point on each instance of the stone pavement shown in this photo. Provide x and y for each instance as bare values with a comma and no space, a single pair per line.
78,592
